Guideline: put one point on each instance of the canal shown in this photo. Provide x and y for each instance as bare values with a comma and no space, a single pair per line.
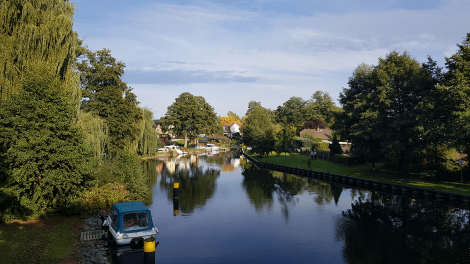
229,211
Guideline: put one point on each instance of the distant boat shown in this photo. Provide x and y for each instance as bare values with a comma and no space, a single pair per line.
212,147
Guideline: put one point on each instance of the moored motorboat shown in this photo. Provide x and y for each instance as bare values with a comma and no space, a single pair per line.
129,224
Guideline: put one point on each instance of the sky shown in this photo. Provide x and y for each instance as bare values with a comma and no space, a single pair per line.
232,52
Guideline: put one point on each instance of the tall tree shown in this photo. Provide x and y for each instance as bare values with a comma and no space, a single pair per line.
361,122
190,116
107,96
148,141
401,79
258,132
285,138
292,111
385,105
457,83
43,159
253,104
235,116
37,36
322,106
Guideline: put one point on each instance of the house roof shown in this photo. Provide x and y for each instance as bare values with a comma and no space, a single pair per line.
324,133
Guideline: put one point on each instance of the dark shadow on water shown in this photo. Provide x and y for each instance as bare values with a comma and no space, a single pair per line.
396,229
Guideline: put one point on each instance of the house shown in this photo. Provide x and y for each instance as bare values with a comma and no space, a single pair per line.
324,133
231,129
158,129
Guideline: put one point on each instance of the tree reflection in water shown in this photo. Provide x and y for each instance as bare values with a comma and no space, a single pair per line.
261,185
395,229
197,184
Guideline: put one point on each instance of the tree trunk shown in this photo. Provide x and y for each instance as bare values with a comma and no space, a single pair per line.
185,141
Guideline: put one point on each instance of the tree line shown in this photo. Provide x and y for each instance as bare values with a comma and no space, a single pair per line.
70,128
414,116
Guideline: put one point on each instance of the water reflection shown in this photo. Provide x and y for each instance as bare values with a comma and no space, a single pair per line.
261,185
373,228
395,229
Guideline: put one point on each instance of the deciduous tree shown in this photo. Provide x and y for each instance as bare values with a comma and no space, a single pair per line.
43,160
107,96
190,116
258,132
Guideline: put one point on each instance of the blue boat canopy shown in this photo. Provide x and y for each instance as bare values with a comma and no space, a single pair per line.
130,207
131,217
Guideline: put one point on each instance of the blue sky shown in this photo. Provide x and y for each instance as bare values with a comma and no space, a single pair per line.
235,51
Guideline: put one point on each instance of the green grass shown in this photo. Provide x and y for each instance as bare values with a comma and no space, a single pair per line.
365,171
40,241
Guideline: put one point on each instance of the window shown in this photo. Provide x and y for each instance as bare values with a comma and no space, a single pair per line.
135,221
114,218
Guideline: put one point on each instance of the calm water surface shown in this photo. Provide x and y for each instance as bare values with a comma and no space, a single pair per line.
231,212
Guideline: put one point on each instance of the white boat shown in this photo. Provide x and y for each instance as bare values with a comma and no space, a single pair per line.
129,224
212,147
172,148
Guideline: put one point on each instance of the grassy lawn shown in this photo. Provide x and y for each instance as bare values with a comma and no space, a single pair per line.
53,240
365,171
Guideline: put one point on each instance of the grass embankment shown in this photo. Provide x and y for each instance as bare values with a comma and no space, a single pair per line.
54,240
365,171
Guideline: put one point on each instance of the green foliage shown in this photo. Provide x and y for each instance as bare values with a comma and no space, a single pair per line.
129,170
292,112
341,159
107,96
235,116
387,108
96,132
148,141
285,138
43,159
457,86
190,116
309,135
258,132
334,147
321,146
37,36
318,140
304,142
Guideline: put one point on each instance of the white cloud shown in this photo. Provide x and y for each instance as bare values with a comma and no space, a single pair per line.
265,56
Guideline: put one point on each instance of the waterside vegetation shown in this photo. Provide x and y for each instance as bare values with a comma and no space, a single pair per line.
381,172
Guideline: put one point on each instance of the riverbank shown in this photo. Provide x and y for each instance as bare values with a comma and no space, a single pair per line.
365,171
190,152
52,240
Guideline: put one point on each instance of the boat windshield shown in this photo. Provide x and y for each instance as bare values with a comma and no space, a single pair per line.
135,221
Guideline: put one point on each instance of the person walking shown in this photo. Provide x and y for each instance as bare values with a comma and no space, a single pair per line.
315,154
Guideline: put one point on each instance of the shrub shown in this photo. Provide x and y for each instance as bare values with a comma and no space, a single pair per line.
318,140
341,159
321,146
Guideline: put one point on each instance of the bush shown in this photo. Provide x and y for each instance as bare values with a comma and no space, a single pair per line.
303,142
318,140
321,146
341,159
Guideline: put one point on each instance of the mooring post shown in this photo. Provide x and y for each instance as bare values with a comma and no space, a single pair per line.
176,187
